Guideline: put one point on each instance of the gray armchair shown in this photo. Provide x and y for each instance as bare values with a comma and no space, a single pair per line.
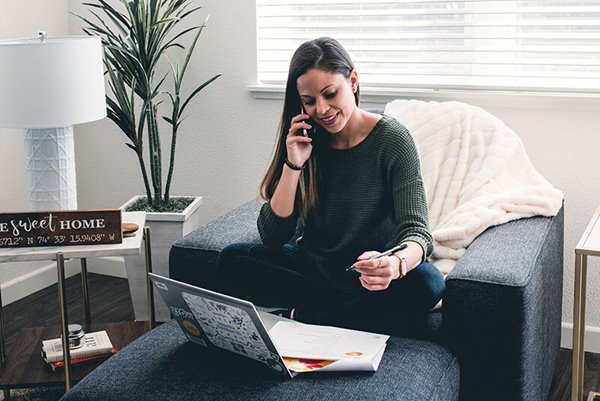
501,314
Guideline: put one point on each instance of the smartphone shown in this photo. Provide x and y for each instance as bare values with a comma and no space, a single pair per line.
308,132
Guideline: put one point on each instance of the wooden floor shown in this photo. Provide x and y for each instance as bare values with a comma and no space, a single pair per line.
110,302
561,383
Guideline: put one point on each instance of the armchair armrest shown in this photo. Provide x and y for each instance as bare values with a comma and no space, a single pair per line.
502,310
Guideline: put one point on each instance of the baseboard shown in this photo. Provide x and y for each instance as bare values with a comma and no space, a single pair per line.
46,276
592,337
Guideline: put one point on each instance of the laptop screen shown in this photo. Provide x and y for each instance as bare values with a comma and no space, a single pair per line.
212,319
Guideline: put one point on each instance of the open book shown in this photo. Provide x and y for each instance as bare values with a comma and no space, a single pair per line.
215,320
307,348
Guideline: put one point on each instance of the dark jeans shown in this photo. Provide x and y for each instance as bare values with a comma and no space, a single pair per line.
271,277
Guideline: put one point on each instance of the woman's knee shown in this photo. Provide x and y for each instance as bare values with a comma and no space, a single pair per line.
232,254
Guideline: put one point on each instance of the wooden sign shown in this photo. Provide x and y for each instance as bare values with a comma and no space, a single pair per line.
60,228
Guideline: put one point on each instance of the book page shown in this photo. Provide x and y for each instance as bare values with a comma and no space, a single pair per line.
305,365
300,340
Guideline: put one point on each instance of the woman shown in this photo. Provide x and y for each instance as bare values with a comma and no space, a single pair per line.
353,179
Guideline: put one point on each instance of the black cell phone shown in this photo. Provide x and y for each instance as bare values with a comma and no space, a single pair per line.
310,121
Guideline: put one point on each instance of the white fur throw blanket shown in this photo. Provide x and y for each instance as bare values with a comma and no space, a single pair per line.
476,173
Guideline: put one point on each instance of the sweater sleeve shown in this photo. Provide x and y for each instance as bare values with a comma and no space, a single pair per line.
409,199
275,231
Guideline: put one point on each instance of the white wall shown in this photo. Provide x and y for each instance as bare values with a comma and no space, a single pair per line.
226,141
223,145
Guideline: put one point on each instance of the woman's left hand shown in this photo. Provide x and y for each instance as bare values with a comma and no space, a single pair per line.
377,274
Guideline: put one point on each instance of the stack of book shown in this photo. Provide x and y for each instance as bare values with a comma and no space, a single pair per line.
96,346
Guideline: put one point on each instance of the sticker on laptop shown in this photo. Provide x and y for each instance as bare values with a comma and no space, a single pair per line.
229,327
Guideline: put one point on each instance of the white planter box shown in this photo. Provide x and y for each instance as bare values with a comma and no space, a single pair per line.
164,229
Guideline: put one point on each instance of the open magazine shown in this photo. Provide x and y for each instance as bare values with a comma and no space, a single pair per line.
307,348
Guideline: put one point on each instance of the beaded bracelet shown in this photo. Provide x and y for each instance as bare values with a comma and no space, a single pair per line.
293,166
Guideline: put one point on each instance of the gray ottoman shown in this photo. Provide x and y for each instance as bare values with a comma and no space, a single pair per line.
163,365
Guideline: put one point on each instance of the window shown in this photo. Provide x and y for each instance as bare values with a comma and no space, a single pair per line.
539,45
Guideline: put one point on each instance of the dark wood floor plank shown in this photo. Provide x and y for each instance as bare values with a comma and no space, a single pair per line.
560,389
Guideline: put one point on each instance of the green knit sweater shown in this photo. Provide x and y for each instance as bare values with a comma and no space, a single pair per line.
371,197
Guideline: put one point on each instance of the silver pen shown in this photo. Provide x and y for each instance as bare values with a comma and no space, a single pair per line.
383,254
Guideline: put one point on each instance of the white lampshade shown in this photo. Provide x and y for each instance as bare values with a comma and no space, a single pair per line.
54,83
48,84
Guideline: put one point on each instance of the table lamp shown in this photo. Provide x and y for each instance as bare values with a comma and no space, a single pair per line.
47,84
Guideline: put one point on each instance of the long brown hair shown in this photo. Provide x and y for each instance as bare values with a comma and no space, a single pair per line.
326,54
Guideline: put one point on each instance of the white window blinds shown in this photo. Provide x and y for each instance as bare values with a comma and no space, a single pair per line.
539,45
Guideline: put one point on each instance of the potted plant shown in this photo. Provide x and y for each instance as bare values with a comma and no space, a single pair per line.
139,39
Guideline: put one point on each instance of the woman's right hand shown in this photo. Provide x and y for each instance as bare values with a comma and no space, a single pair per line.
298,146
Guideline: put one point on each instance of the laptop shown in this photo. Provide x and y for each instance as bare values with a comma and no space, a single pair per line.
286,347
211,319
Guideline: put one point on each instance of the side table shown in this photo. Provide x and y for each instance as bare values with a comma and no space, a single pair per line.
129,246
589,245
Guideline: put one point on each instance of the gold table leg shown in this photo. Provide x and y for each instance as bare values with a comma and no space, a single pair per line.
579,326
85,291
2,333
3,351
147,247
62,298
593,396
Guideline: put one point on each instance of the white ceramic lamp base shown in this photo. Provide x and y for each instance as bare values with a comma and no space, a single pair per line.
50,155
